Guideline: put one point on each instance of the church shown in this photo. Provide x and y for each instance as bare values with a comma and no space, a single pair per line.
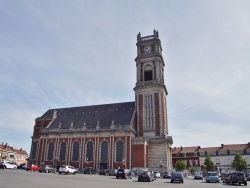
130,135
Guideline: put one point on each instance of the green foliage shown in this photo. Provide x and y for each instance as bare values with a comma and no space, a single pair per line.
209,164
239,163
180,165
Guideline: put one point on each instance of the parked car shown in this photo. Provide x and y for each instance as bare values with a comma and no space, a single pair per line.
248,177
198,176
237,177
157,174
10,165
2,165
22,166
146,176
177,177
102,171
32,167
89,170
212,177
224,178
123,173
47,169
112,172
166,175
66,169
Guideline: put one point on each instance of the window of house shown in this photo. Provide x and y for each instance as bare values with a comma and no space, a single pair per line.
62,151
148,73
89,151
104,151
247,160
228,152
75,156
119,151
50,151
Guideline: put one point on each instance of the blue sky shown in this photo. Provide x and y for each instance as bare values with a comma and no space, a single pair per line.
56,54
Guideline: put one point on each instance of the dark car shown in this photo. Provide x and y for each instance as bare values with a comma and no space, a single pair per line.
123,173
224,177
166,175
22,166
47,169
177,177
237,177
248,177
102,172
2,165
146,176
89,170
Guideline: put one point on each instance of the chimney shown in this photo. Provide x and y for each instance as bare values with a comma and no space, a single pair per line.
6,144
181,148
222,145
21,149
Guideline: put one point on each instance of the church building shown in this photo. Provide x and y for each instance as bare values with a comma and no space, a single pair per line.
130,135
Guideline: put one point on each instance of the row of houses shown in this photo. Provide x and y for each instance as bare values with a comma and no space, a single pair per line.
8,153
222,156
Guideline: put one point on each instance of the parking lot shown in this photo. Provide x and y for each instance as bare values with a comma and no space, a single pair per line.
28,179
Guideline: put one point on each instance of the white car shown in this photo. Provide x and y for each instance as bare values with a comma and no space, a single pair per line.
67,169
157,174
10,165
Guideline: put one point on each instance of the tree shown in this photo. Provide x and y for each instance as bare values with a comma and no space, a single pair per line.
180,165
209,164
239,163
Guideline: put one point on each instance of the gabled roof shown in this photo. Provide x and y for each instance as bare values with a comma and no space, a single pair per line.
119,114
181,149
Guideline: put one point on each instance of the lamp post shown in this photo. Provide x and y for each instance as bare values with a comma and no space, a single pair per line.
161,165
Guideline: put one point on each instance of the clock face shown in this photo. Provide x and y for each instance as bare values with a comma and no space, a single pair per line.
147,49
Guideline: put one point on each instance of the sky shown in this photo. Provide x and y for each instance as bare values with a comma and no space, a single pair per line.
57,54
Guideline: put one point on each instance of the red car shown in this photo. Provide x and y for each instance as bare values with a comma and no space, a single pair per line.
32,167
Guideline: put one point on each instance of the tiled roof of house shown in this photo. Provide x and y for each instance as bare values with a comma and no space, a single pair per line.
230,147
120,114
185,149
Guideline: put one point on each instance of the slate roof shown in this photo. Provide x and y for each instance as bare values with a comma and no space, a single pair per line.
120,113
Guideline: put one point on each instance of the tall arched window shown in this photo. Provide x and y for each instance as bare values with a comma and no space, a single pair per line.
148,73
33,150
119,151
75,156
104,151
89,151
62,151
50,151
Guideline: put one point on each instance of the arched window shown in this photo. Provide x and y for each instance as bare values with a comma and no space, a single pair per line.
33,150
89,151
119,151
104,151
148,73
62,151
75,156
50,151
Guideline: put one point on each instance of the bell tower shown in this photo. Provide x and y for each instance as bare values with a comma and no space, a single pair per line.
150,90
151,105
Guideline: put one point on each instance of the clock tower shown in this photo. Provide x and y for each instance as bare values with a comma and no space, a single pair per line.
151,101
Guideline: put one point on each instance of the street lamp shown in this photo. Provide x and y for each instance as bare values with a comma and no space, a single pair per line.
161,165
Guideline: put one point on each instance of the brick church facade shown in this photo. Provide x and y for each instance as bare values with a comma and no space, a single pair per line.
119,135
